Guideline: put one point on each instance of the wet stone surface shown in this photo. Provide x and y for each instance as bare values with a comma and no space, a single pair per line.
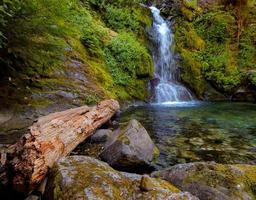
81,177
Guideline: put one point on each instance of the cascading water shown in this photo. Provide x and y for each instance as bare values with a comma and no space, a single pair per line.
165,85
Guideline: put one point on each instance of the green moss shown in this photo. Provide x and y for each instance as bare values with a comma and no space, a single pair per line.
126,55
88,32
156,153
247,45
252,78
121,19
192,72
188,14
207,42
91,99
227,176
191,4
90,178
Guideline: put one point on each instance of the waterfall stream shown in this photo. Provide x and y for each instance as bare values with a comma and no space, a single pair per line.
166,86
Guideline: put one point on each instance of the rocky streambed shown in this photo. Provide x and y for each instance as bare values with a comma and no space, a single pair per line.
129,149
121,161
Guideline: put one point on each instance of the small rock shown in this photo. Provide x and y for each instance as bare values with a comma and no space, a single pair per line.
101,136
33,197
146,183
196,141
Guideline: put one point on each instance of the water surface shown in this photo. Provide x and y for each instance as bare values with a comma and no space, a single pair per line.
192,131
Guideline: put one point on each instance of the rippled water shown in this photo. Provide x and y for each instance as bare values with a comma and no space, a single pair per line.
188,132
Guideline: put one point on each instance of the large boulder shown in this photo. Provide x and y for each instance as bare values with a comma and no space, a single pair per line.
81,177
130,148
213,181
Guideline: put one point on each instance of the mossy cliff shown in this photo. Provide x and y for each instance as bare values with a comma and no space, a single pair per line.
74,51
216,44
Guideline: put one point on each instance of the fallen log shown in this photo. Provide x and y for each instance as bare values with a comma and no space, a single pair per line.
51,138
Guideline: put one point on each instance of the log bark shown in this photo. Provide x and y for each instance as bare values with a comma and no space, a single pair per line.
51,138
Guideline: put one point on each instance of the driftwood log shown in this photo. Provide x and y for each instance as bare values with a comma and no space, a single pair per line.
51,138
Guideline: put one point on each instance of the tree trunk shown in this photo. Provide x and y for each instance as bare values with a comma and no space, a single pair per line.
51,138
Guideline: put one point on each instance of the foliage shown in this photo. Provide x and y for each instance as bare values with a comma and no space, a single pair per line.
92,39
253,79
214,26
48,38
247,45
190,3
91,99
121,19
211,38
126,57
8,10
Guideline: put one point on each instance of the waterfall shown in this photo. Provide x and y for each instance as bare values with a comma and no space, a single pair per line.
166,86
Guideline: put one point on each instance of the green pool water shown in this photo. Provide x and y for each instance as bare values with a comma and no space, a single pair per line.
189,132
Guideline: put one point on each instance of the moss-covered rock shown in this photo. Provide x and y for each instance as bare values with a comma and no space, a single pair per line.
213,181
81,177
130,149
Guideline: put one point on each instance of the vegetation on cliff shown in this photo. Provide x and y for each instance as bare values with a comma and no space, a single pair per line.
85,48
216,41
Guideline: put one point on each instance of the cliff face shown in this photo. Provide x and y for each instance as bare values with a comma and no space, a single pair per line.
217,47
59,54
74,51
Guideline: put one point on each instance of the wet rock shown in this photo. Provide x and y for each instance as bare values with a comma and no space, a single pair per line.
146,183
211,94
33,197
81,177
4,117
130,148
196,141
213,181
244,95
101,136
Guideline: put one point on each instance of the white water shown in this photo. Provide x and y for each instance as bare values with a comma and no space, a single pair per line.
166,87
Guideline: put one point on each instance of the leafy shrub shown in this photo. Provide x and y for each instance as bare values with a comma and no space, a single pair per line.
253,79
92,40
218,67
215,26
208,39
121,19
126,58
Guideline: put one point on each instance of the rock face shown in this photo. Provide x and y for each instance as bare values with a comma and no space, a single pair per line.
130,147
81,177
244,95
213,181
101,136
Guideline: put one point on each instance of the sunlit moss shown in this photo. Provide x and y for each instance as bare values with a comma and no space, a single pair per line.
50,34
208,37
